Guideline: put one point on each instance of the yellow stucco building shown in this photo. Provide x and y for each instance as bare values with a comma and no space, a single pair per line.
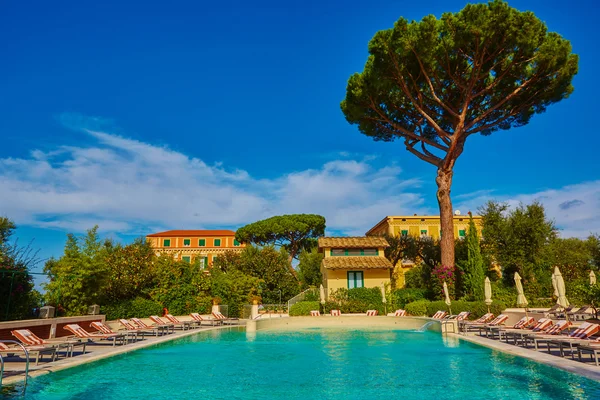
188,245
353,262
419,225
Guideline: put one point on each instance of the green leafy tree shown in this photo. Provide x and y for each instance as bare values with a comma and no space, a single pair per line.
17,296
434,83
401,247
571,255
78,277
234,288
472,268
309,268
295,232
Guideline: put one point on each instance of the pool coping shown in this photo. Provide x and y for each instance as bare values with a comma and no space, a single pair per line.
576,367
82,359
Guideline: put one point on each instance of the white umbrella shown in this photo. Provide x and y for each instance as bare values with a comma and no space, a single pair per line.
487,290
560,284
322,293
592,278
447,301
521,300
555,294
383,297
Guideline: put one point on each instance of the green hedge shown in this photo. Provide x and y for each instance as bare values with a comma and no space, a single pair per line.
476,308
304,308
358,300
138,307
401,297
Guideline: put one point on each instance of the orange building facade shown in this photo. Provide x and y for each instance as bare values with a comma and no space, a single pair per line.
190,245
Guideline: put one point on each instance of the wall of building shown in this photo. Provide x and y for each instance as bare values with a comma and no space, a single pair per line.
338,278
208,252
422,225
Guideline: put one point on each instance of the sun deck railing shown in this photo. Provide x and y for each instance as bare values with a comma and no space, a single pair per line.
301,296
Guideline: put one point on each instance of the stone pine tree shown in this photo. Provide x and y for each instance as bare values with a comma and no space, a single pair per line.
472,268
434,83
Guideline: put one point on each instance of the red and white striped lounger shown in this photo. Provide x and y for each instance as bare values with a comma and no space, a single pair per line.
142,325
159,322
176,322
218,315
578,337
83,334
131,327
103,328
372,313
520,334
28,338
548,334
496,322
400,313
37,350
199,319
466,325
440,315
336,313
315,313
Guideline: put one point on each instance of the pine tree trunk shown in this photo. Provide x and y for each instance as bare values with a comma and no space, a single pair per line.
444,182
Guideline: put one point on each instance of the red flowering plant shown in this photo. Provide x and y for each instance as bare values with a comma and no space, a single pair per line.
441,274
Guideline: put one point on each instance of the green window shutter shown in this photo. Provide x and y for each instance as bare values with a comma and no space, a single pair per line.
167,243
214,259
404,232
217,242
235,242
423,231
202,242
205,262
187,259
187,242
461,233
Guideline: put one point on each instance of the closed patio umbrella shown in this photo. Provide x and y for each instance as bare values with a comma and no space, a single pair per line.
447,301
560,284
592,278
322,294
555,294
487,290
383,297
521,300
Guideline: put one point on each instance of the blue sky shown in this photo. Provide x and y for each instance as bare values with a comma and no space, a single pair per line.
144,116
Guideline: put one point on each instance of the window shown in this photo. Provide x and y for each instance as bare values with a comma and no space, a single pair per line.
217,242
187,242
167,243
423,231
404,232
353,252
204,262
214,259
370,252
187,259
202,242
355,279
235,242
338,252
461,233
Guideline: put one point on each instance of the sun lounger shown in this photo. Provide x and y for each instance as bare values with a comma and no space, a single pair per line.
315,313
579,336
493,326
593,348
549,334
400,313
465,325
519,334
38,350
159,322
28,338
372,313
226,320
463,315
162,328
440,315
105,329
83,334
336,313
131,327
199,319
523,323
581,313
184,324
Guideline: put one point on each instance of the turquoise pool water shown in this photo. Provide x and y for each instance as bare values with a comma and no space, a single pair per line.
311,364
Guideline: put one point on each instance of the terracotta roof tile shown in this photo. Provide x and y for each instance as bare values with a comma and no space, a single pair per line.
193,233
353,242
360,262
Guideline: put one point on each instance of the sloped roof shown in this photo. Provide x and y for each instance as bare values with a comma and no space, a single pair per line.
353,242
359,262
193,233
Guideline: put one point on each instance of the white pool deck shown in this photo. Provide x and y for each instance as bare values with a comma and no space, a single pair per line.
95,352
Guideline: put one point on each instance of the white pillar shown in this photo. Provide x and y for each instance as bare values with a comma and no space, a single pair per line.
215,308
254,311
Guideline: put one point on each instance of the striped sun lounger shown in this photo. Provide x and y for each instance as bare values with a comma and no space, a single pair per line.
159,322
492,327
440,315
336,313
103,328
520,334
545,335
38,350
142,325
578,337
372,313
218,315
199,319
28,338
83,334
400,313
184,324
315,313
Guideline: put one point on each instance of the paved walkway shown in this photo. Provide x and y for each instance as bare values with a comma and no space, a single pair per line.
15,370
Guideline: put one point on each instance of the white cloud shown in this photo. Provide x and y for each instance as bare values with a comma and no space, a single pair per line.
132,187
575,209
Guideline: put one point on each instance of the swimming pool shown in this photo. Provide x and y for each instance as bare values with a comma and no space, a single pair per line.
314,363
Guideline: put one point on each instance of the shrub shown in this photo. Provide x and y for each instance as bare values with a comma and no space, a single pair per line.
357,300
401,297
304,308
138,307
312,295
417,308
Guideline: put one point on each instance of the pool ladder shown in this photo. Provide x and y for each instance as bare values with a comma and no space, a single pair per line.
26,360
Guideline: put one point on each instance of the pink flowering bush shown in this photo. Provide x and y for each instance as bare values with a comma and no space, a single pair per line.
440,274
